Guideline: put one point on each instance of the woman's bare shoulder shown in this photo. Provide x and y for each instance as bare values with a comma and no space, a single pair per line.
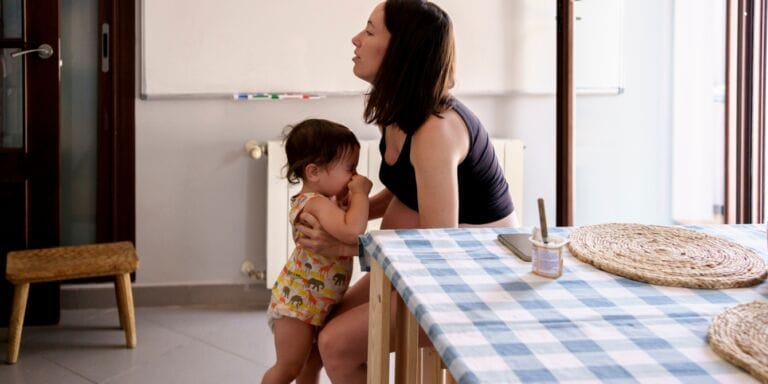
448,124
444,135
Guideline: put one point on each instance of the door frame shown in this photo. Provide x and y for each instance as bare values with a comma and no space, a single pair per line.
116,154
746,46
41,145
564,96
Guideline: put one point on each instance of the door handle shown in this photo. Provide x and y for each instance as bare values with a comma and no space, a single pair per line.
44,51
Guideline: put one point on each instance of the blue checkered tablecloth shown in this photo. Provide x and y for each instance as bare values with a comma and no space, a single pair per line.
493,321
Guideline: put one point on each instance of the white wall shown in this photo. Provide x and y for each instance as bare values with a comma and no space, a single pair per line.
200,205
200,200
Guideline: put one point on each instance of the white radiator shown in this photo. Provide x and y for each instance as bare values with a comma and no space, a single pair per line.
279,238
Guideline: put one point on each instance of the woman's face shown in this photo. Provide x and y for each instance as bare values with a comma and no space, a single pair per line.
370,46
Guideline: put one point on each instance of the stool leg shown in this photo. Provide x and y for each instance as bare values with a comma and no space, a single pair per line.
119,296
20,294
125,307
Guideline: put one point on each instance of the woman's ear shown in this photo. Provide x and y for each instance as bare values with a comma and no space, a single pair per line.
312,172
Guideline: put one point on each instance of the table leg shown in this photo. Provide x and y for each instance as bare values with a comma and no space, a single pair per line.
449,378
407,345
378,326
431,366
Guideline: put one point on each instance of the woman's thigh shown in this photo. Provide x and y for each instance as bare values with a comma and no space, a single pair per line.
347,333
344,338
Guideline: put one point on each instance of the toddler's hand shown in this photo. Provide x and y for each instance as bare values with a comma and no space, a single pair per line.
360,184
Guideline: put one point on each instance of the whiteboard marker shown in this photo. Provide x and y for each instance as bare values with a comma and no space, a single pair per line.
289,96
259,96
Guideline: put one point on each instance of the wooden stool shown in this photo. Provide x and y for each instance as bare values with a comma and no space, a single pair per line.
66,263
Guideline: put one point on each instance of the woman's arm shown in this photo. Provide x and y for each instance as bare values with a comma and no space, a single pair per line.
316,239
437,149
379,203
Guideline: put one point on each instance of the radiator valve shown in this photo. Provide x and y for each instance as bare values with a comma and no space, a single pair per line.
249,270
255,150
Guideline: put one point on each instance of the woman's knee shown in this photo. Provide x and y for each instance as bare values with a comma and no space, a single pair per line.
330,344
339,342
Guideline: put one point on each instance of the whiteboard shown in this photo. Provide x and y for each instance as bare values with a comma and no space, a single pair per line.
205,47
225,47
598,41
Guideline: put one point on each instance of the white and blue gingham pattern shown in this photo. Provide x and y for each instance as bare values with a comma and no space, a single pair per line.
493,321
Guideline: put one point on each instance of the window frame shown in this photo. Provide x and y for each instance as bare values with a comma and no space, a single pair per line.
744,128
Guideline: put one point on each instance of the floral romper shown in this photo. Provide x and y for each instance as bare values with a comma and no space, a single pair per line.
309,284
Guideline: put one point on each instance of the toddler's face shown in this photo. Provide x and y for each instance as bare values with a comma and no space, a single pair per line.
337,175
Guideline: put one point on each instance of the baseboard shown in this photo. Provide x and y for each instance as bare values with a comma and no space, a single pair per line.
83,296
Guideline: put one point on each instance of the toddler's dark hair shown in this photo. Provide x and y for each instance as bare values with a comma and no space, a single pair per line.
317,141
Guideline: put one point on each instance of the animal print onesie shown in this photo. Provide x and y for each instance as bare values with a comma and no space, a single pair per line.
309,284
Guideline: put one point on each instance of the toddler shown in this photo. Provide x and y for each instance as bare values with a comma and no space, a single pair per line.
323,156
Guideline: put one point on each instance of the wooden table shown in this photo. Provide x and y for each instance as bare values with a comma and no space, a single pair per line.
492,321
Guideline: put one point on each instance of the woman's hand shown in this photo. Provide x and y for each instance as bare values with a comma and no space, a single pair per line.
317,240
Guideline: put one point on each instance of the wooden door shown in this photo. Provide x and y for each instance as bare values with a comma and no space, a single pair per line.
29,145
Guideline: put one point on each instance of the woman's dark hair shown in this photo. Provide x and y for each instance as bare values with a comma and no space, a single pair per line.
417,69
317,141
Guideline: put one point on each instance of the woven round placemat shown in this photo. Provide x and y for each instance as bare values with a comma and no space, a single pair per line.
740,336
668,256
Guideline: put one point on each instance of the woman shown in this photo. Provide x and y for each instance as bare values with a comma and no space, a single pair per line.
438,164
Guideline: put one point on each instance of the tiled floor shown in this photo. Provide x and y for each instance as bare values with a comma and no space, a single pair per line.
175,345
